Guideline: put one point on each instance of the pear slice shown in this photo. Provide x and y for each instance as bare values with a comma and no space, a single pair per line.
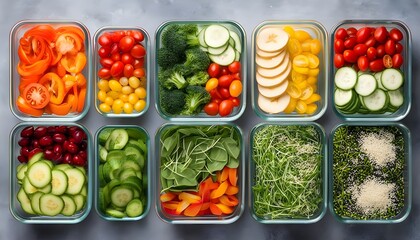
270,62
273,92
272,39
272,72
273,105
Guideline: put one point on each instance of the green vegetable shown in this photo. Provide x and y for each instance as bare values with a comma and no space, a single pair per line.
171,79
198,79
195,100
189,154
352,167
172,101
287,181
196,60
174,39
167,58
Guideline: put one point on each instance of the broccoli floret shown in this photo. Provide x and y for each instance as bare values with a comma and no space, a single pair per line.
175,40
190,31
195,100
197,60
198,79
166,58
171,78
172,101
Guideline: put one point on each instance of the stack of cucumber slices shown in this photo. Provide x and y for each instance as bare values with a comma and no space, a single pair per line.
121,172
368,93
222,45
49,190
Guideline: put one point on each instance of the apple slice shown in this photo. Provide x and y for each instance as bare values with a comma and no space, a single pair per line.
272,39
273,92
273,105
270,62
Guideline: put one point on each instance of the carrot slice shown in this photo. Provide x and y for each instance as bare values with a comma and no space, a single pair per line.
172,205
233,176
224,175
189,197
219,191
193,209
215,210
233,199
225,209
226,201
205,206
166,197
232,190
181,207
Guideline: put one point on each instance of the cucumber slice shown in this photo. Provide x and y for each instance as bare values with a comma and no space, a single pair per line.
217,51
128,172
62,166
216,35
136,133
84,191
237,40
396,98
76,181
51,205
25,202
115,157
379,81
58,182
102,204
137,144
121,196
104,135
201,38
366,85
343,97
21,171
376,101
131,164
80,201
101,176
392,79
225,58
237,55
69,206
133,182
114,213
117,140
115,173
39,174
345,78
134,208
103,153
132,153
35,158
35,198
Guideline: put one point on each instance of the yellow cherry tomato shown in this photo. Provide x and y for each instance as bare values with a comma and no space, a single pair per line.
313,60
301,70
140,92
123,81
315,46
101,96
134,82
301,61
290,30
313,72
301,107
140,105
124,97
128,108
306,92
298,77
114,95
211,84
117,106
235,88
306,45
103,85
109,100
126,90
292,106
115,85
104,107
294,47
313,98
133,98
293,90
312,80
311,108
302,35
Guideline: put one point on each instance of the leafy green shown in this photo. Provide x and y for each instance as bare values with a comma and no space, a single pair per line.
189,154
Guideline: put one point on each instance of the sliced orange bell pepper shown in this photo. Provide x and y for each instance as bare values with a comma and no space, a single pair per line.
81,100
224,175
170,205
69,82
36,68
45,31
215,210
227,201
68,42
232,190
225,209
181,207
166,197
63,108
71,29
219,191
189,197
25,81
74,63
31,50
61,71
55,86
24,107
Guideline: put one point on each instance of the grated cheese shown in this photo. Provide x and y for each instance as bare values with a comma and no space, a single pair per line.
374,196
379,147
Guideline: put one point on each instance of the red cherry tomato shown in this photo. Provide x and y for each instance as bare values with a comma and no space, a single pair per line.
116,56
225,107
376,65
363,63
350,42
117,35
363,34
237,76
371,42
104,73
126,43
114,48
128,70
138,51
214,93
137,35
398,48
390,47
234,67
380,51
225,81
395,34
139,72
339,46
371,53
351,31
138,63
126,58
104,52
341,34
106,62
397,60
350,56
211,108
360,49
387,60
117,68
236,102
214,70
105,40
224,70
381,34
224,92
338,60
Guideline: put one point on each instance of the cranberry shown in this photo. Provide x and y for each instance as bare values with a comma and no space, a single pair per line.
40,132
22,159
72,129
72,148
83,154
61,129
79,161
83,145
66,145
51,129
24,151
49,154
27,132
35,144
59,138
57,158
67,158
33,152
58,149
23,142
45,141
78,136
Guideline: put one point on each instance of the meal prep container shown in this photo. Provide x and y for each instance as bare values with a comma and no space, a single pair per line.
323,187
146,173
16,34
407,172
15,207
317,31
204,219
97,66
406,53
202,116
